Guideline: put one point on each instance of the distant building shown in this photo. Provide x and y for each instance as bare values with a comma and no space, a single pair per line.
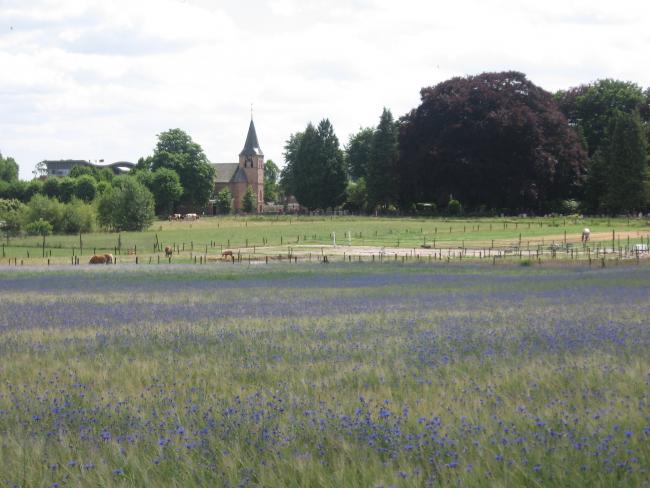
249,171
62,167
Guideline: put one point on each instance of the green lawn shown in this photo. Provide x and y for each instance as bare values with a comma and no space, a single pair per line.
273,234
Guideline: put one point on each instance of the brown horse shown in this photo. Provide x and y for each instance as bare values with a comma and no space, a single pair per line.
168,251
226,254
101,259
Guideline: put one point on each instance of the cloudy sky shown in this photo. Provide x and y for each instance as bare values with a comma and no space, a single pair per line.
98,79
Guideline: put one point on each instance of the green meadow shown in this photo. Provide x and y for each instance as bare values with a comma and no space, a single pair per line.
270,235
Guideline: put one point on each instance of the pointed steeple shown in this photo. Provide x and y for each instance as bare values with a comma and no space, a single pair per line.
251,147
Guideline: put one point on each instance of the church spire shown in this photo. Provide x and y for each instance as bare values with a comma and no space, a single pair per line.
251,147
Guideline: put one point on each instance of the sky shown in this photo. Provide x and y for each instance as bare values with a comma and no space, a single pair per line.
99,79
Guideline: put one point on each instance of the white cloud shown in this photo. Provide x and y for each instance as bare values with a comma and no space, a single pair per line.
96,79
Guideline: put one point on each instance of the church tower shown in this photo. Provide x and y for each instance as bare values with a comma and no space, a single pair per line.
251,159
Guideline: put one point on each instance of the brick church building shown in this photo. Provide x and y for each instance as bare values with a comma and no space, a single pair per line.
249,171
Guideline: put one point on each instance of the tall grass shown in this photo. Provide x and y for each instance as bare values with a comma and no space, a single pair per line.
391,375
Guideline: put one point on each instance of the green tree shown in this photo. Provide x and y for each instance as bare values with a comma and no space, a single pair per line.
78,217
34,187
454,207
167,190
8,169
287,179
176,151
102,186
11,216
46,208
593,110
249,202
589,108
51,187
625,164
382,166
85,188
127,205
82,170
39,227
14,189
108,207
319,176
357,195
357,152
271,175
66,189
104,174
224,201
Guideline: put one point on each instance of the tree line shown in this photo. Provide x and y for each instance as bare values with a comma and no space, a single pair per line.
485,144
177,175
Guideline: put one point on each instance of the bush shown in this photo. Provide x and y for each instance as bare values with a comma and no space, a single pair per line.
357,196
102,186
224,201
45,208
569,207
39,227
51,187
85,188
454,207
78,217
127,206
66,189
4,190
34,187
11,216
249,202
14,190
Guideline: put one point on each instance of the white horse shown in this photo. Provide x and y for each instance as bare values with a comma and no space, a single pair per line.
585,234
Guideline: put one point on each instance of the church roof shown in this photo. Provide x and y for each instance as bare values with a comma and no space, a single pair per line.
229,173
251,147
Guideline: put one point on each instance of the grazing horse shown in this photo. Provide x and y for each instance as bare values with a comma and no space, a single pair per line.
226,254
168,251
585,235
101,259
191,216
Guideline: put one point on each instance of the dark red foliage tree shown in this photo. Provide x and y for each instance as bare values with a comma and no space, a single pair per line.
493,140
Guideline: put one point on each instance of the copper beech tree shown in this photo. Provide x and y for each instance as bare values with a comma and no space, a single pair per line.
494,140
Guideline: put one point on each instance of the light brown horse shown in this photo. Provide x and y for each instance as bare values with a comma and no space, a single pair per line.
101,259
168,251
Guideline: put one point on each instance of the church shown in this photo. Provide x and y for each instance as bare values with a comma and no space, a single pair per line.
249,171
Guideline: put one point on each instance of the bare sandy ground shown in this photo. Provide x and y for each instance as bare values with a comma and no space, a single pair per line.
472,249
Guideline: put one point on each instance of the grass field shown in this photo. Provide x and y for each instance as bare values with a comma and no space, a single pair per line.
301,235
336,376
